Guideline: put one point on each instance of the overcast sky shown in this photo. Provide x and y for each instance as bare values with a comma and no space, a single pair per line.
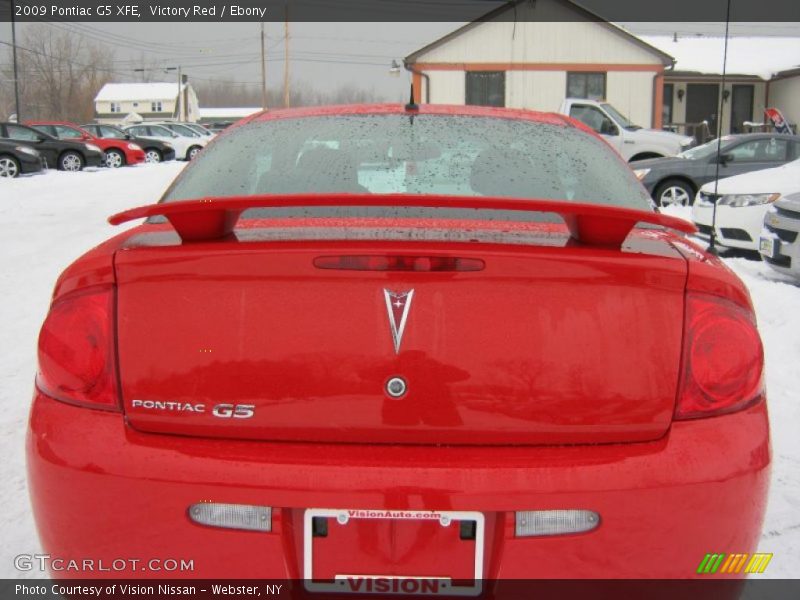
323,55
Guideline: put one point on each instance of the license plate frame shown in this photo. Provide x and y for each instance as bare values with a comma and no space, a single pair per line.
444,587
768,246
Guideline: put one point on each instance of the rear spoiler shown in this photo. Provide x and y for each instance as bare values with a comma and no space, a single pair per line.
213,218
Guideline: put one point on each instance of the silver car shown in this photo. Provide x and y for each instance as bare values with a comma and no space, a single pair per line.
779,244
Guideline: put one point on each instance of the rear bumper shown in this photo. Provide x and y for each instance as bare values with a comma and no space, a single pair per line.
103,491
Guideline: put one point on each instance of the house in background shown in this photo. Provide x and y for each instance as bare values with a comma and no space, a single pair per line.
136,102
534,55
761,72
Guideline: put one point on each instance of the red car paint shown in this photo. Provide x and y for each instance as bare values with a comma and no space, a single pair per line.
133,156
250,318
213,218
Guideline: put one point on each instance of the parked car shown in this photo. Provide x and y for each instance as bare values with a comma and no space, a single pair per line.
186,147
118,152
675,180
199,129
19,159
66,155
219,126
350,368
779,244
742,202
634,143
155,151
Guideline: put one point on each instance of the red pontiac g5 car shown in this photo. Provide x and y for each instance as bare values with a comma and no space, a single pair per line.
435,342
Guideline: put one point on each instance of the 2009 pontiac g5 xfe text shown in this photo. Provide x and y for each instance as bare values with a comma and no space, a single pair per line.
384,342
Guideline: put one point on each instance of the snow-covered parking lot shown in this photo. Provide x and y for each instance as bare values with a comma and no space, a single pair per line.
50,219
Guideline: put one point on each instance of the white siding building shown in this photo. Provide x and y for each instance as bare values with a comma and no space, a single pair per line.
133,102
551,50
761,72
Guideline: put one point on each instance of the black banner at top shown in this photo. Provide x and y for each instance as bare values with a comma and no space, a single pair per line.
399,10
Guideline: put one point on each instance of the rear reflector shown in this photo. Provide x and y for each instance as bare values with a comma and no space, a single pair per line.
399,263
232,516
555,522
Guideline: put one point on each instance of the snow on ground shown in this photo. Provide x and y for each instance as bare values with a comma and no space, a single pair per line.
49,221
52,219
777,302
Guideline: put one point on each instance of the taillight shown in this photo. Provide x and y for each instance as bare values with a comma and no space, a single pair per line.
723,359
76,350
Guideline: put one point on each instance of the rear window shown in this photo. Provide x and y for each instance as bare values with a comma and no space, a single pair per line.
429,154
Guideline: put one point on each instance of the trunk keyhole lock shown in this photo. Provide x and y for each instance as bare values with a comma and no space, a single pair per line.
396,387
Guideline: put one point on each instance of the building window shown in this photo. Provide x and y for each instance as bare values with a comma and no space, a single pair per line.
115,107
486,88
589,86
155,106
666,107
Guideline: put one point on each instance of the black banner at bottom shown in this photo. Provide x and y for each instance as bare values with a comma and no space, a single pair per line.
516,589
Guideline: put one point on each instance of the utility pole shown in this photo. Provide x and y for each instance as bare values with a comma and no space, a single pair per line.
14,52
712,238
286,58
263,72
180,93
185,81
180,80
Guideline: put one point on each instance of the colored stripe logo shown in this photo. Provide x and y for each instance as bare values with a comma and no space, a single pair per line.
734,563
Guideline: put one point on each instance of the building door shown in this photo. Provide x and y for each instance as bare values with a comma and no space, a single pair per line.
702,104
666,106
741,107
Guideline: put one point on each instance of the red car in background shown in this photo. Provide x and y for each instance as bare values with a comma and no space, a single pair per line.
414,347
118,152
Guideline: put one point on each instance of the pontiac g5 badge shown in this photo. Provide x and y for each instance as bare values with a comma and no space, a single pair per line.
397,306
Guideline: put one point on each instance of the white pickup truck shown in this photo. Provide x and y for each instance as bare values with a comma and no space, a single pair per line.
631,141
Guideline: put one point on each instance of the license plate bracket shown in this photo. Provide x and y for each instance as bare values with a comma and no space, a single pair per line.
452,538
768,246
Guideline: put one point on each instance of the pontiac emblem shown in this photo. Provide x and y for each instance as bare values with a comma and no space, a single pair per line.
397,306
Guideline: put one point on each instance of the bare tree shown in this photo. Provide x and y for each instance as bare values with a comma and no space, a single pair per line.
227,93
147,69
59,75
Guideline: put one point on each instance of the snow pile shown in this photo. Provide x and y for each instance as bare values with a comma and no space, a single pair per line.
49,220
776,299
777,303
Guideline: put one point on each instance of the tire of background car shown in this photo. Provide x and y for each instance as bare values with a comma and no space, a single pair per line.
71,161
114,158
152,155
674,191
9,166
192,152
